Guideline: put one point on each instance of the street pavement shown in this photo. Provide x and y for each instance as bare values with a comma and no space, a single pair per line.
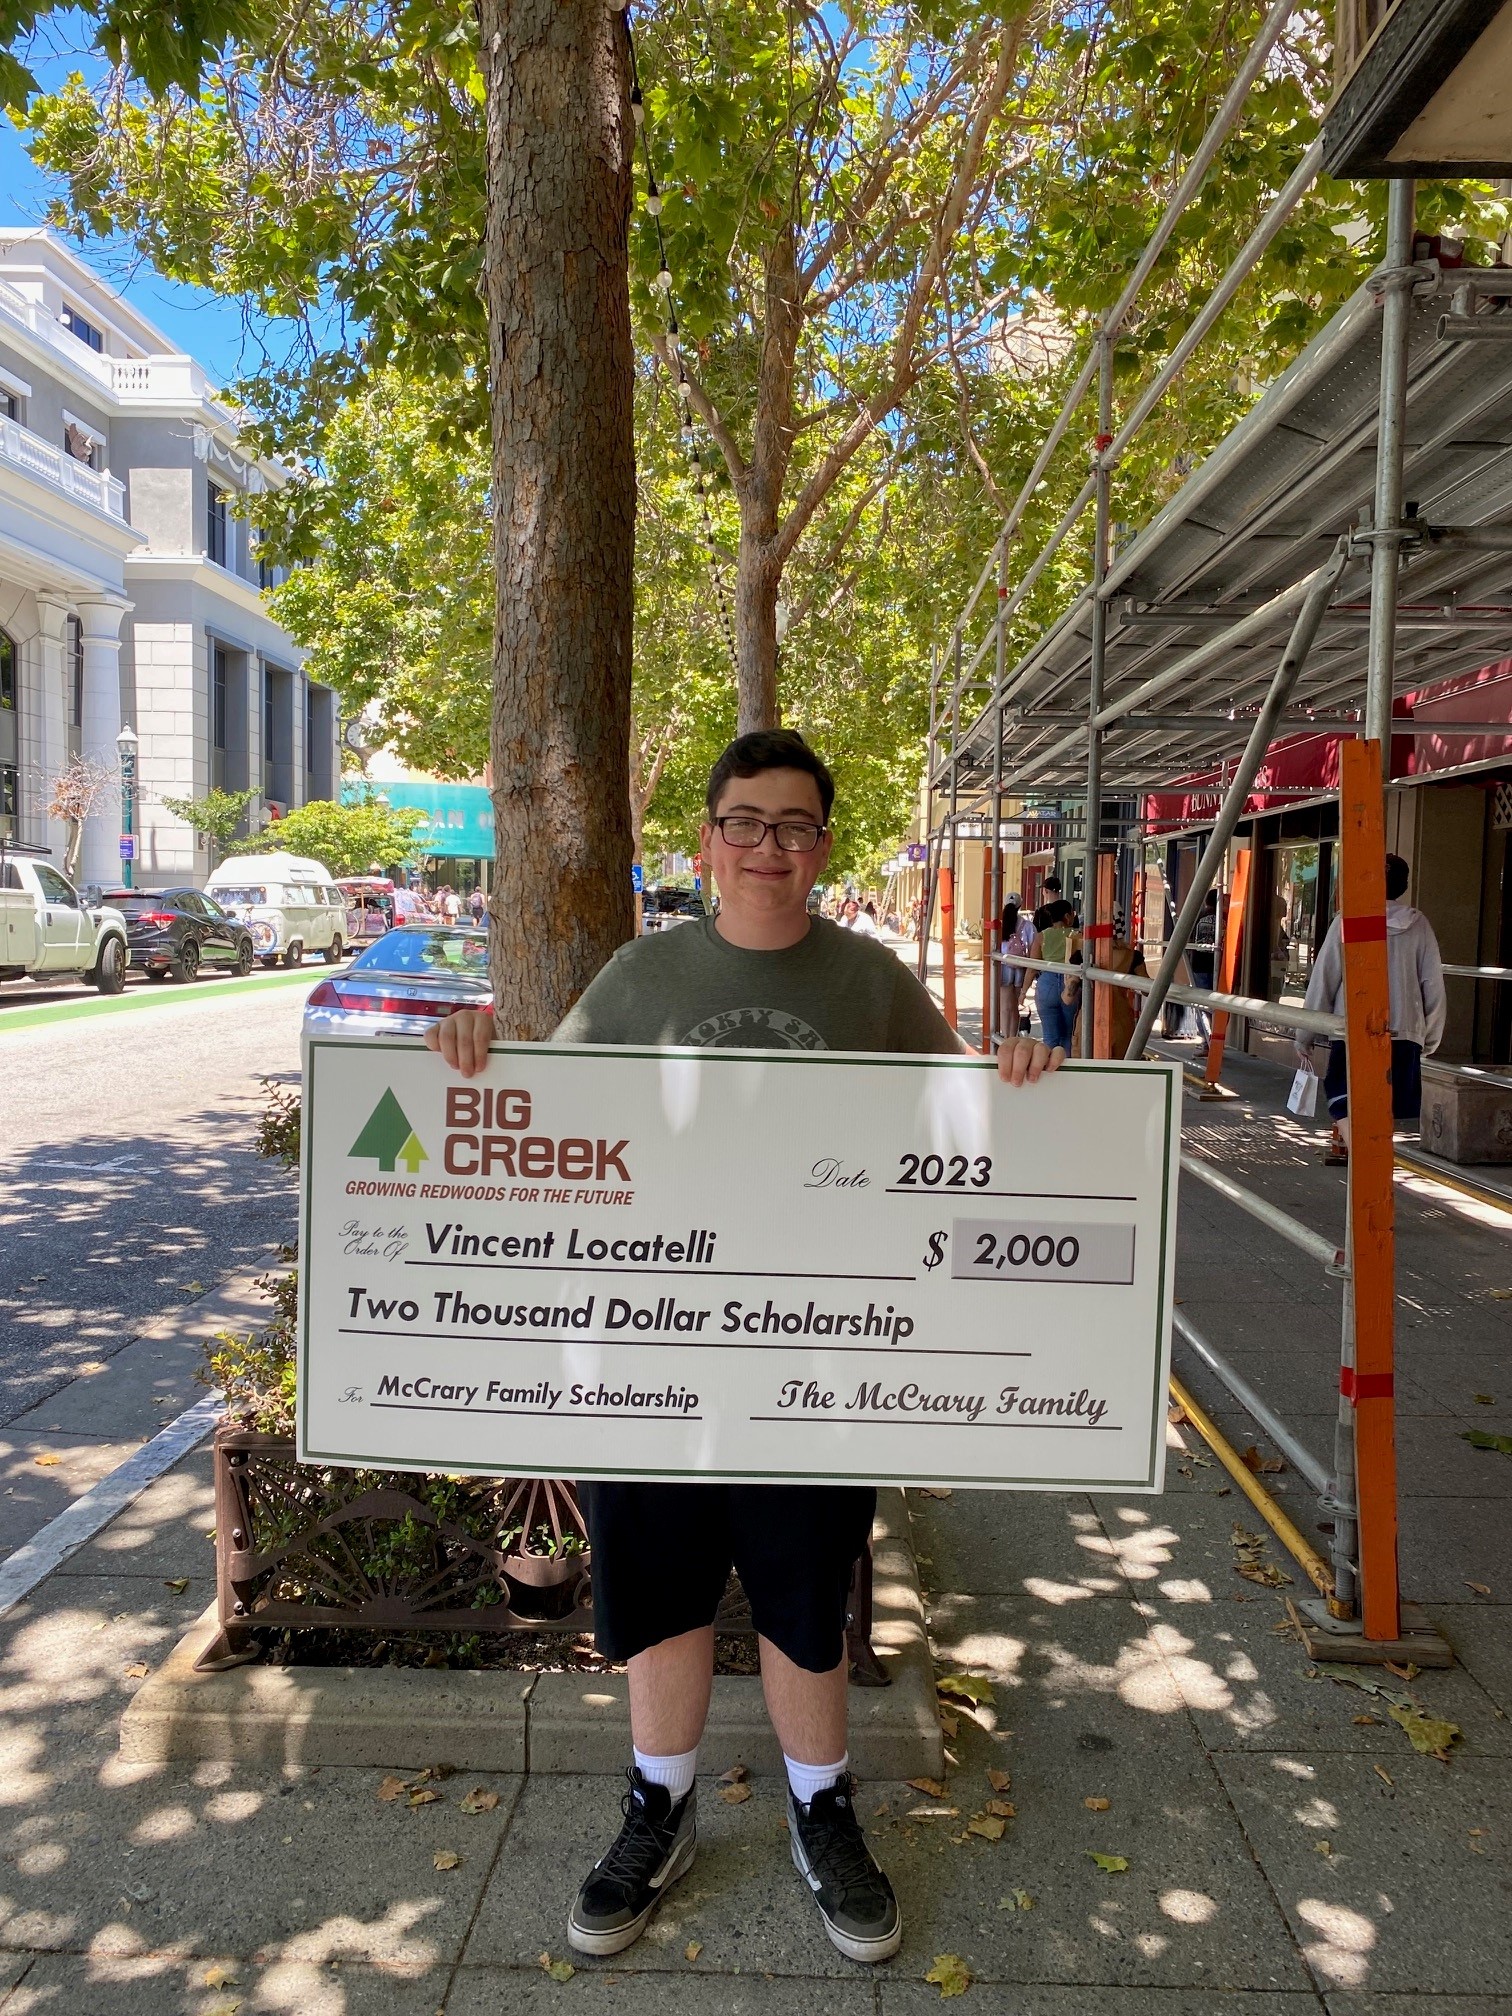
1271,1843
128,1179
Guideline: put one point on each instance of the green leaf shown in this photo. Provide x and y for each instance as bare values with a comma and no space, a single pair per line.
1115,1865
1479,1439
950,1975
1016,1900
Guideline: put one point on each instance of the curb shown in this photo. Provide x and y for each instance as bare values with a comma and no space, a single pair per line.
548,1723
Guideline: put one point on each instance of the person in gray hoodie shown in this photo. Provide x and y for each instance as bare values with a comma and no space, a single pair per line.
1417,1007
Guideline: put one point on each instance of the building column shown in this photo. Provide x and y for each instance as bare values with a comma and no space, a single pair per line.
44,719
99,726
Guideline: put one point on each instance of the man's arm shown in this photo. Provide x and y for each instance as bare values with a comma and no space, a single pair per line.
463,1038
917,1028
1430,966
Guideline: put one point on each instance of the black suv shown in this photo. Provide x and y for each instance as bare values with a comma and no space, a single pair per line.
178,931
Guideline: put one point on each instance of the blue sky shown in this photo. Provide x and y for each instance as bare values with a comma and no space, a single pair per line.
192,320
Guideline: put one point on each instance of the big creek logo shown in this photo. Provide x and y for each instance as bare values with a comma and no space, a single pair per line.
388,1138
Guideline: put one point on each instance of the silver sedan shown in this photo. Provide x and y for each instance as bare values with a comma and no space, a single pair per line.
402,983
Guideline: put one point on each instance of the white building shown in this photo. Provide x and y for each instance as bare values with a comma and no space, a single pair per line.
130,593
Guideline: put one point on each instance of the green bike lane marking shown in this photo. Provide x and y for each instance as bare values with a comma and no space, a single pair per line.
154,995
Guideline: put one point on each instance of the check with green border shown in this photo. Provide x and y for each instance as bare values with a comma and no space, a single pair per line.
762,1266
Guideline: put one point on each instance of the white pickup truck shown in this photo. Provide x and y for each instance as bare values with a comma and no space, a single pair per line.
48,932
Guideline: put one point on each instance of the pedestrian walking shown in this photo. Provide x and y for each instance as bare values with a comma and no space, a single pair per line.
1202,959
854,918
1017,935
762,973
451,903
476,906
1416,977
1056,995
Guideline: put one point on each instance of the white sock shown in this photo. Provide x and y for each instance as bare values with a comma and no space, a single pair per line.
676,1773
807,1779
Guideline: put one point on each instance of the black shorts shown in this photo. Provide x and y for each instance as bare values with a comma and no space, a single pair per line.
662,1554
1406,1081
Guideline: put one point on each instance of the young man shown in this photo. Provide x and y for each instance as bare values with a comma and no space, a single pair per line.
762,974
1415,973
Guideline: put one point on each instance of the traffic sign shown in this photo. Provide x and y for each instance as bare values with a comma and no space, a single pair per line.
637,876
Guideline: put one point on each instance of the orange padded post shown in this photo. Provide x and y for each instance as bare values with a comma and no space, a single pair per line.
1228,966
947,937
1369,1384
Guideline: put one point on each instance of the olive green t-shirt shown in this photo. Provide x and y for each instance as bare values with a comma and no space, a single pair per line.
833,990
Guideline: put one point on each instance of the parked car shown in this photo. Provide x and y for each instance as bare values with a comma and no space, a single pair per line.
49,932
289,904
402,982
180,932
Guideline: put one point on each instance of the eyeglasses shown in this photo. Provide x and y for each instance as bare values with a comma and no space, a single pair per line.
794,836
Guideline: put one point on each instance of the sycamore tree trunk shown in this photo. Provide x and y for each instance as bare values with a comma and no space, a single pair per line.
758,577
556,282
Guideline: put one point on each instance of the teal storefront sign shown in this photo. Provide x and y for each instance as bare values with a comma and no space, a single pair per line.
456,819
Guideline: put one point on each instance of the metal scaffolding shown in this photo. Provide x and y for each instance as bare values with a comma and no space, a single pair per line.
1265,598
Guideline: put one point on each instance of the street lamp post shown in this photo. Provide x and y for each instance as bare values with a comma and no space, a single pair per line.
126,743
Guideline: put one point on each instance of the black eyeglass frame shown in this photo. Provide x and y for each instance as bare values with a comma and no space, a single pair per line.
767,826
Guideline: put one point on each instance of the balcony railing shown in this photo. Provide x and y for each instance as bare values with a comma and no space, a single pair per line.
39,321
165,377
28,451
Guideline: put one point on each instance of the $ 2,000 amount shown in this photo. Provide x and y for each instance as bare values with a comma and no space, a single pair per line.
1011,1249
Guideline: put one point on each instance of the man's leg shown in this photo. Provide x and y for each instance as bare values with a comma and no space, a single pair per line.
660,1562
808,1710
795,1547
669,1693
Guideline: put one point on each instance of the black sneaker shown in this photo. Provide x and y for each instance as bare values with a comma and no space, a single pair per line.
624,1887
855,1899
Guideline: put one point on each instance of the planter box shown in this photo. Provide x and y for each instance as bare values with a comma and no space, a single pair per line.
1467,1113
302,1545
402,1719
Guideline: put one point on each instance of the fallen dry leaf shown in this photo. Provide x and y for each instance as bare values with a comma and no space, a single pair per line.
559,1970
46,1462
692,1950
935,1491
91,1366
1003,1808
969,1687
999,1781
137,1670
1500,1294
987,1825
392,1788
1368,1722
1323,1847
934,1813
735,1795
1402,1672
1115,1865
1476,1437
950,1725
423,1796
950,1975
220,1977
736,1775
1381,1772
479,1800
178,1585
1263,1466
1480,1588
1016,1900
1428,1734
930,1785
1264,1572
1484,1399
446,1858
1097,1805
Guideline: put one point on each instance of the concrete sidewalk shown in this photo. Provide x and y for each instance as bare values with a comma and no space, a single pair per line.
1286,1848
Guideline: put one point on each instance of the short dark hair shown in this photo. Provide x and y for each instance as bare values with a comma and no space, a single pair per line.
770,749
1052,882
1397,877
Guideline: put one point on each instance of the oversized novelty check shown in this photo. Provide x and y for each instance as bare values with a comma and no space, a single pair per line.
736,1264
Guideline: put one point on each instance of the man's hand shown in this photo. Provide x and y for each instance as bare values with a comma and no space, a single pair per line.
463,1039
1022,1057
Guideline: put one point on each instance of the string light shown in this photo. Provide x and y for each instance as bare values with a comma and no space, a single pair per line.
703,481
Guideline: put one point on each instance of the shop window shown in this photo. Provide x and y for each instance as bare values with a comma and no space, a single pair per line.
1300,910
7,672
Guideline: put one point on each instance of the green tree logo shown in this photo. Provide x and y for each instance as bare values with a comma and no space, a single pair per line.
389,1138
